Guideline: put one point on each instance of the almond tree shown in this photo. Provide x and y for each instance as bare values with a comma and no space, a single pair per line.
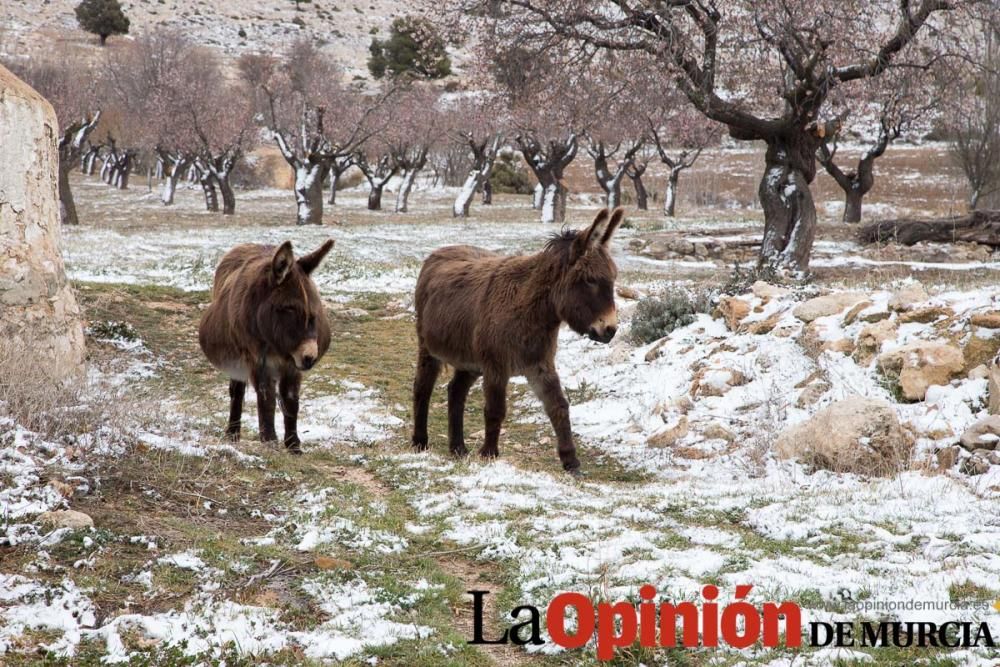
378,164
418,125
611,180
478,121
679,134
635,170
763,68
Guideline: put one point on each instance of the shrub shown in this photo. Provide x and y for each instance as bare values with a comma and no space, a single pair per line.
413,47
102,17
655,317
509,177
741,280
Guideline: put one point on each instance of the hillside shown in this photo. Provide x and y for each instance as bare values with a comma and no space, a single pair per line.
344,28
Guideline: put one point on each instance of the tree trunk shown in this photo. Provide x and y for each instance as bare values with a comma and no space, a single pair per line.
554,203
375,197
334,184
852,204
981,227
615,193
67,207
670,194
487,191
538,196
170,183
464,199
641,196
106,170
309,193
974,199
208,188
228,196
403,196
789,212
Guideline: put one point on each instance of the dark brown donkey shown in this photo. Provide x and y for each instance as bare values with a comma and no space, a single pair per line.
494,316
266,324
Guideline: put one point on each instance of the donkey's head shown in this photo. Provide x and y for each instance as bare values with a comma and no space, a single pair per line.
290,317
584,293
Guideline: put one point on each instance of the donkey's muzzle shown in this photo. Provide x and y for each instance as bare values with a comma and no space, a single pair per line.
308,362
603,335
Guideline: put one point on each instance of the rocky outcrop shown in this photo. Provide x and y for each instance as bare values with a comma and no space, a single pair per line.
984,434
919,365
858,435
828,304
39,315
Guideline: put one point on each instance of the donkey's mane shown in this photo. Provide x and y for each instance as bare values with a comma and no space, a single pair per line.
560,244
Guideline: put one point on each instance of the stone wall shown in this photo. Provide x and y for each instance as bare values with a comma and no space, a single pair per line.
39,315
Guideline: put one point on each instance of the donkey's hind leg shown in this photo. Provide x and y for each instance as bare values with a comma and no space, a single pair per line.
458,391
237,390
428,369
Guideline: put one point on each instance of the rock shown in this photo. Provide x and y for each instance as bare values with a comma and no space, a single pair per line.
904,298
872,316
732,310
829,304
66,519
980,372
716,381
669,436
946,457
920,365
991,455
716,431
859,435
627,292
812,393
765,326
655,351
925,315
871,338
63,489
974,465
979,350
988,320
39,315
984,434
853,313
841,345
993,390
764,290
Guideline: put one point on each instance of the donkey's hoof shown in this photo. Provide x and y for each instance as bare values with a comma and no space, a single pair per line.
293,445
420,444
575,472
296,450
489,453
460,452
232,436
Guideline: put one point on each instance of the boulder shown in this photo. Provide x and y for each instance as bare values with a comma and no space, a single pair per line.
66,519
763,290
828,304
946,457
906,297
984,434
988,320
39,315
732,310
858,435
993,389
626,292
921,364
853,313
871,338
669,436
979,350
716,381
974,465
926,315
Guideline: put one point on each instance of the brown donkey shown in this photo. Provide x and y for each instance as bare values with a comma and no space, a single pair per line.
494,316
266,324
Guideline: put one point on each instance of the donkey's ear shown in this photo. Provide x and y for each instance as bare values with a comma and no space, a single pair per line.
281,262
616,220
589,237
312,260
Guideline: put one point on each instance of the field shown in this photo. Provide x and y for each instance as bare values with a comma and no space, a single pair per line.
361,550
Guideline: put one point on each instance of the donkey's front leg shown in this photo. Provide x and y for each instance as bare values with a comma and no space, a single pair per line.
545,383
263,384
495,393
237,390
288,394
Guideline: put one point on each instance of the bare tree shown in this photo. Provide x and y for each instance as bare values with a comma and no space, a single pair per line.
484,151
547,162
635,170
611,181
378,171
763,68
71,148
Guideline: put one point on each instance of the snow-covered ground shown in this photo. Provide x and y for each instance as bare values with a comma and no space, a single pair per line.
711,504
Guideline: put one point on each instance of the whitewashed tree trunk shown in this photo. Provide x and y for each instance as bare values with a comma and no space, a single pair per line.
538,197
464,199
403,196
670,194
309,193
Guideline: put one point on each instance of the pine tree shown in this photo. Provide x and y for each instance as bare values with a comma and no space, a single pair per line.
414,47
102,17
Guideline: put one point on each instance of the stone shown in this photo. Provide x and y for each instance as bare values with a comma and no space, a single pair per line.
66,519
871,338
979,350
921,364
765,326
946,457
984,434
716,431
905,298
857,435
716,381
993,390
654,352
63,489
812,393
627,292
980,372
329,563
990,455
853,313
988,320
668,437
39,315
732,310
763,290
974,465
926,315
874,316
828,304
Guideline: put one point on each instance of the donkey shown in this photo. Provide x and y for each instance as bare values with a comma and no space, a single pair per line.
266,325
494,316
